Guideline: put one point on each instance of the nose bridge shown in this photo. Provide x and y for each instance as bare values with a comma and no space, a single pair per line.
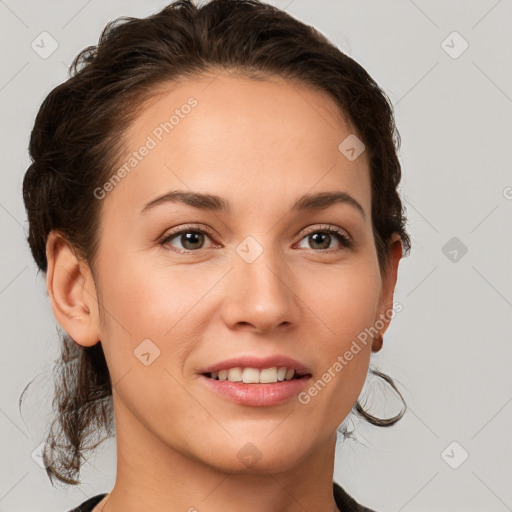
259,291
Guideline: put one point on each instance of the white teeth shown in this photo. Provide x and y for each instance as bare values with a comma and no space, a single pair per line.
269,375
251,376
254,375
235,374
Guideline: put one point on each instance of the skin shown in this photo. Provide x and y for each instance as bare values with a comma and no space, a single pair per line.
260,145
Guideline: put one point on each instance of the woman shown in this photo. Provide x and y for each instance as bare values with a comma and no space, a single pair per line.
213,200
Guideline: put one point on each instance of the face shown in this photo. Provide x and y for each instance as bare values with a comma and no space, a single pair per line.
253,269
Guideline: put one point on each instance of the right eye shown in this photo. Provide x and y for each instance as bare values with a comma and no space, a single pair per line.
190,239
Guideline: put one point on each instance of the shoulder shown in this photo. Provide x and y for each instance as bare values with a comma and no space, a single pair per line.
345,502
89,504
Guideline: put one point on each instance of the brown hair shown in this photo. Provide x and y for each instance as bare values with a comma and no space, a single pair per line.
78,133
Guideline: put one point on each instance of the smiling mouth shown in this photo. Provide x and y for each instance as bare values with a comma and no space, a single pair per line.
209,375
256,376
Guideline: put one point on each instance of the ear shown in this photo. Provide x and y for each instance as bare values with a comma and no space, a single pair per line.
388,287
72,291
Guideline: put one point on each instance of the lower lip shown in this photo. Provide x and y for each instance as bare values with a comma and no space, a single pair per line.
257,395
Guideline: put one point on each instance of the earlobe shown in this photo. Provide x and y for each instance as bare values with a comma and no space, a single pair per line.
72,291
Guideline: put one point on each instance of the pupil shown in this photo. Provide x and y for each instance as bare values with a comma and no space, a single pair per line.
190,238
325,236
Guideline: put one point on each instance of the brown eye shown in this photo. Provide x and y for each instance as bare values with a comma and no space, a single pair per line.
192,240
188,239
322,239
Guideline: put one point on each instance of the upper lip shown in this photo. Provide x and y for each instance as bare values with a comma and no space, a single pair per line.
260,363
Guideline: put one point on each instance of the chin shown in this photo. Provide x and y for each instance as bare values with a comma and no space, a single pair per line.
255,457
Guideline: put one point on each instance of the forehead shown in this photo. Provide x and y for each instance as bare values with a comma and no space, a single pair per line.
230,135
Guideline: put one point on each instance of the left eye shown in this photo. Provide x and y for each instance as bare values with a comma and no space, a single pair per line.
323,238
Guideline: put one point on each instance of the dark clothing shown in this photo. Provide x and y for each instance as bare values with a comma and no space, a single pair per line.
344,502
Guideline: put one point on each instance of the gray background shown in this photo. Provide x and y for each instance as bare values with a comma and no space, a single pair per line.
449,347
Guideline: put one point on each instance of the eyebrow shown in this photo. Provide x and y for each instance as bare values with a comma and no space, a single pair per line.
211,202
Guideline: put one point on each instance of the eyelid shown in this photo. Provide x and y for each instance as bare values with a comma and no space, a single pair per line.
184,228
326,227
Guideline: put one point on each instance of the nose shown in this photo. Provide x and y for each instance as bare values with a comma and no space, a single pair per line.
260,295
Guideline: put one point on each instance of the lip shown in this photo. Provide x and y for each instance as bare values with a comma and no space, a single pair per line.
257,395
260,363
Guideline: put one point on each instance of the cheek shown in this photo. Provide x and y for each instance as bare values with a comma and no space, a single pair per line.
146,308
344,301
148,299
344,309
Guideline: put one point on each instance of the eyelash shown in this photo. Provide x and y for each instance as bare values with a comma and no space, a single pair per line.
340,235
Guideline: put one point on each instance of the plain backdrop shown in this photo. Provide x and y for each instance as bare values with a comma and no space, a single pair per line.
446,67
